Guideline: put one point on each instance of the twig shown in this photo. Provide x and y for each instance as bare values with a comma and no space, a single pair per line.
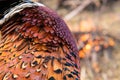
77,10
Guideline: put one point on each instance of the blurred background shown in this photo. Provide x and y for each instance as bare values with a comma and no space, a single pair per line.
95,25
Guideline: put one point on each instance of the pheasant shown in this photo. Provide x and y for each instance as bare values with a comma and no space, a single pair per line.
35,43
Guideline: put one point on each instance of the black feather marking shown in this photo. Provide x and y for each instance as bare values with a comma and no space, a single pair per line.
68,64
66,69
58,71
34,63
73,54
46,59
70,75
68,56
64,78
75,73
39,56
76,79
76,65
51,78
52,60
0,53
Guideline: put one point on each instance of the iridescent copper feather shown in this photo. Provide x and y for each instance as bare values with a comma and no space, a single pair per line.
36,44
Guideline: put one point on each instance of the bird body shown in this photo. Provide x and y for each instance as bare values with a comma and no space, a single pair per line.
36,44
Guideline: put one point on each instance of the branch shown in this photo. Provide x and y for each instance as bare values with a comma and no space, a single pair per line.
77,10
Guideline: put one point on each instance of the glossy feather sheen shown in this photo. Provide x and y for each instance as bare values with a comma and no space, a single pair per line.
37,45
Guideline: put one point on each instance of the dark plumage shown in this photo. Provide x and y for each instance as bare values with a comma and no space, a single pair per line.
36,44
